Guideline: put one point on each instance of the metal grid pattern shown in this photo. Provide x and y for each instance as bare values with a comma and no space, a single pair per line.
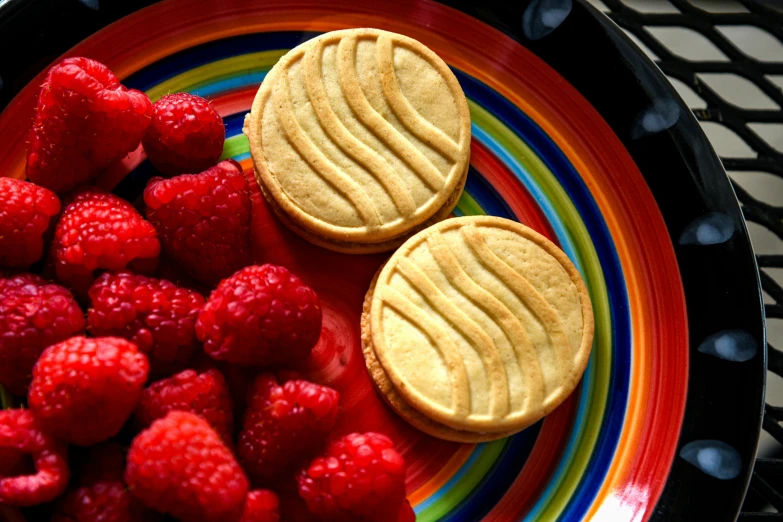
711,50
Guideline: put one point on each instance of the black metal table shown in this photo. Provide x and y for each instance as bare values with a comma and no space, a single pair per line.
765,498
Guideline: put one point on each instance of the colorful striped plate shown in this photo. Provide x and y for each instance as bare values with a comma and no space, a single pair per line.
574,134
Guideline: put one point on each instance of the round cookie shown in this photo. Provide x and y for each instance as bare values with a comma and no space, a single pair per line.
359,139
476,328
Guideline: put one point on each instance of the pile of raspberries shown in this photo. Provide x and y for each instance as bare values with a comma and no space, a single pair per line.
137,386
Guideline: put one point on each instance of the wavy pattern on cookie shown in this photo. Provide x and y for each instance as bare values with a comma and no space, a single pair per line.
497,295
360,135
320,164
377,124
522,288
348,143
467,327
496,309
460,396
412,120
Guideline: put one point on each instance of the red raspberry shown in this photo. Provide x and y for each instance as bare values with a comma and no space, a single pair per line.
84,122
19,431
360,478
25,212
261,505
83,390
186,134
101,231
180,466
34,314
204,394
284,425
203,220
260,315
154,314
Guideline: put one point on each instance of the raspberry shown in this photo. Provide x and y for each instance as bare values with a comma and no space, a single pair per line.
180,466
101,231
19,431
361,477
156,315
186,134
204,394
261,505
84,122
25,212
34,314
284,425
83,390
203,220
260,315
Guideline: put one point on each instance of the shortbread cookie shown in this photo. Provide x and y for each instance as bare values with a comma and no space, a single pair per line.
476,328
359,138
